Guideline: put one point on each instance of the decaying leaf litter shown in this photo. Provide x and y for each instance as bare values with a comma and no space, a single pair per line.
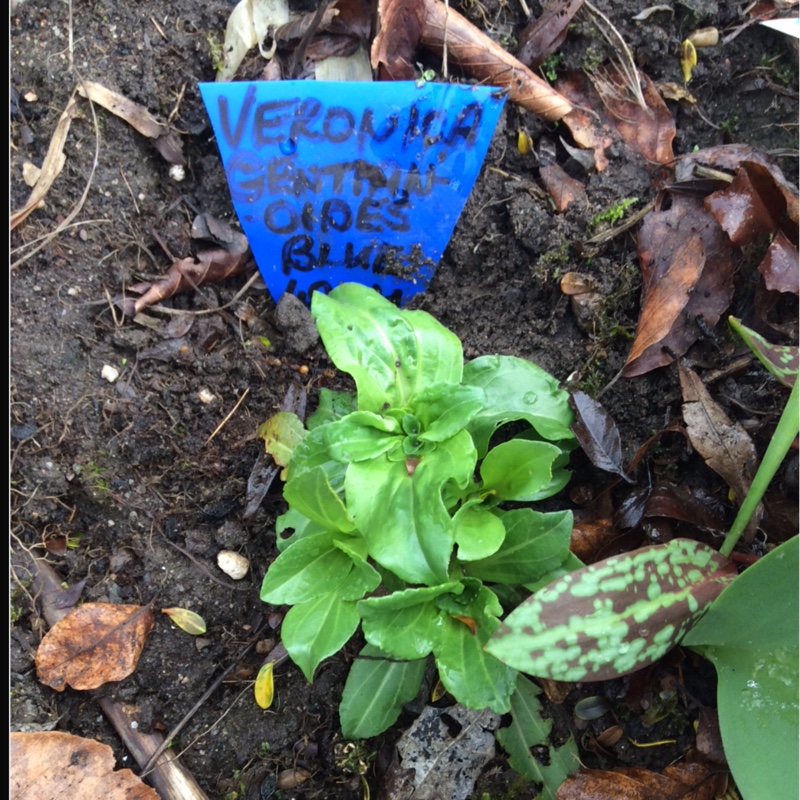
120,470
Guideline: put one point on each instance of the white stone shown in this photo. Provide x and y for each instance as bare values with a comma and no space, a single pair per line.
233,564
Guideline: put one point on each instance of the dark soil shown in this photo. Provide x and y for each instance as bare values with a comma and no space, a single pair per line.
130,472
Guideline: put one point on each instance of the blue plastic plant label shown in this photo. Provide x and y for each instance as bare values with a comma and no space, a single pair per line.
350,182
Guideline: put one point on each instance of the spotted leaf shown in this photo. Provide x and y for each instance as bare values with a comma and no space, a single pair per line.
612,617
781,360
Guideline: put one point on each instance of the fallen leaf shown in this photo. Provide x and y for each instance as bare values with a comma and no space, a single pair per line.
473,50
138,117
546,34
650,130
94,644
186,620
52,766
671,501
589,537
782,361
394,46
724,445
264,687
562,189
687,274
247,27
589,130
780,267
666,295
51,167
281,433
676,782
598,435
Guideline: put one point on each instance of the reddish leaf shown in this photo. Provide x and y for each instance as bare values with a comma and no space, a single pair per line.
590,537
676,502
780,266
740,210
54,766
589,130
562,189
546,34
697,281
676,782
598,435
95,643
397,39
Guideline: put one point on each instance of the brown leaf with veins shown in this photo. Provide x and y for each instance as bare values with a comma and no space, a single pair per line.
698,282
94,644
590,130
394,46
666,296
650,130
676,782
50,765
562,189
546,34
725,446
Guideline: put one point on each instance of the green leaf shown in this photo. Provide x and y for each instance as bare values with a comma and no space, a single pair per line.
445,409
375,692
750,634
332,406
311,494
402,516
782,361
281,433
534,544
364,577
518,468
517,389
298,522
529,729
615,616
474,677
312,452
570,564
479,532
310,567
317,629
360,436
405,624
390,353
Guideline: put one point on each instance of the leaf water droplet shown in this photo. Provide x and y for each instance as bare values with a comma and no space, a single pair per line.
530,398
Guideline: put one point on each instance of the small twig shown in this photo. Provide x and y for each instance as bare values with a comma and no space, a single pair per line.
232,412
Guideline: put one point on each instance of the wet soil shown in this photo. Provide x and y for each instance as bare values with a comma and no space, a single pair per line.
136,476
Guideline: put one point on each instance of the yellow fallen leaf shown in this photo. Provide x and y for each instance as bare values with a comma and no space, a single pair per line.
186,620
265,688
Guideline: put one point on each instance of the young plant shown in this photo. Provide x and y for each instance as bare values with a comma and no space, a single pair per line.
620,614
397,509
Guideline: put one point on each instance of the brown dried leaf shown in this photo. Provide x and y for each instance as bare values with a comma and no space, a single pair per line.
590,537
779,266
598,435
95,643
546,34
588,129
668,251
666,295
573,283
679,781
562,189
740,210
650,130
394,46
724,445
212,265
51,167
138,117
52,766
485,60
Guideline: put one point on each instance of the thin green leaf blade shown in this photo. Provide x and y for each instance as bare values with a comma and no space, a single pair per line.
375,692
318,628
529,729
750,634
615,616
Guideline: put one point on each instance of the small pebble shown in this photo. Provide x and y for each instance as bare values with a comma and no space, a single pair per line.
234,565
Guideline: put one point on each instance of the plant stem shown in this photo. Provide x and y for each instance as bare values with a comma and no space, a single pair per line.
782,439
